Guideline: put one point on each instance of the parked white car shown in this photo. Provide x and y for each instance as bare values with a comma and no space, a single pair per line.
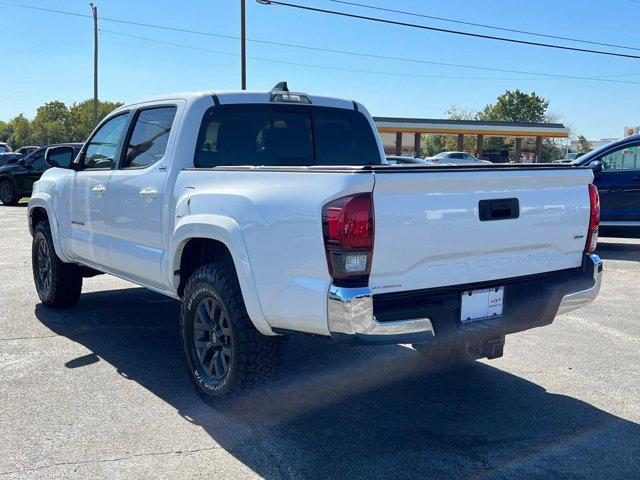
271,213
404,160
457,158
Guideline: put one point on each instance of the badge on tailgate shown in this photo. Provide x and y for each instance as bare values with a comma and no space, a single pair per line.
479,305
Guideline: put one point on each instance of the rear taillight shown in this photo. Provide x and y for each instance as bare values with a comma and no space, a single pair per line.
594,220
347,226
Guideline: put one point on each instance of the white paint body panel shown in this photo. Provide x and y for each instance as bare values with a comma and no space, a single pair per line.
427,229
135,222
429,234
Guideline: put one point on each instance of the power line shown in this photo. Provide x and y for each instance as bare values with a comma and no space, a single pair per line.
323,67
446,30
327,50
482,25
326,67
118,20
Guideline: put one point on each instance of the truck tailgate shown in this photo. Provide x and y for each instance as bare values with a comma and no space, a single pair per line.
428,230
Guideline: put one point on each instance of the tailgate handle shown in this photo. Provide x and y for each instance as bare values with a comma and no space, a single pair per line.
500,209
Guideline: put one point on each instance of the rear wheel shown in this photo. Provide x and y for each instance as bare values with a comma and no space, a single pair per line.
58,284
8,194
225,353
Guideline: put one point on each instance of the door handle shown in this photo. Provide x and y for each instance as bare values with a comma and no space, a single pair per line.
99,190
149,194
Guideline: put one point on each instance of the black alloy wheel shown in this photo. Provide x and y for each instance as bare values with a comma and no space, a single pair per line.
43,268
8,194
212,340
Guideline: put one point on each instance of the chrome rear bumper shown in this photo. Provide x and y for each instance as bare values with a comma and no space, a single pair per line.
575,300
351,318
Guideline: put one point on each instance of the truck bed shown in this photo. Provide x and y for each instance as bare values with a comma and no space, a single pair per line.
427,228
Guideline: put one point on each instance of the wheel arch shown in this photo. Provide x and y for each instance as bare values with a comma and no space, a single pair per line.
40,209
198,241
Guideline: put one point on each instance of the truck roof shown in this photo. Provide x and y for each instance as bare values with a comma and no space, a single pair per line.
228,97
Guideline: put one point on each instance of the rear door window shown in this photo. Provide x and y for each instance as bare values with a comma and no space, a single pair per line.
149,138
281,135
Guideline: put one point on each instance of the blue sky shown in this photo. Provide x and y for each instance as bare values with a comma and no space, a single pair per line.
48,56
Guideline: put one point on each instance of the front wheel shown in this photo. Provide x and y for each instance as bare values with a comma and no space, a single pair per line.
8,194
58,284
225,353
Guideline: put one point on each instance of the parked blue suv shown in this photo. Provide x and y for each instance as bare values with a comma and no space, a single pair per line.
616,168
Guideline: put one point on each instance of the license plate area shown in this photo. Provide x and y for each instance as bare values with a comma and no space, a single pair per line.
481,305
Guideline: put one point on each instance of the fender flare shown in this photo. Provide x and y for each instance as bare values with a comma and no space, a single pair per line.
43,200
226,231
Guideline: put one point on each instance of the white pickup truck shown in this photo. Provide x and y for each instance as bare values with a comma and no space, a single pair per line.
269,213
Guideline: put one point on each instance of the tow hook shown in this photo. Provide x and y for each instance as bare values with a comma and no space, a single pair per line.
494,347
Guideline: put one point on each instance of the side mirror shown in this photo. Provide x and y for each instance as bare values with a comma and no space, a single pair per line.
21,162
61,157
596,166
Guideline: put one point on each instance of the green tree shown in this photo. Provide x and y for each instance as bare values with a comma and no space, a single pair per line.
54,123
5,131
51,124
516,106
433,144
457,113
583,144
20,131
81,118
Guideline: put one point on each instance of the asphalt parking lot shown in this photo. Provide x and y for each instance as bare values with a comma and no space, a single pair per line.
100,391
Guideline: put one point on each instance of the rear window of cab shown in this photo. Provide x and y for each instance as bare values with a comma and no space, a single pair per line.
284,135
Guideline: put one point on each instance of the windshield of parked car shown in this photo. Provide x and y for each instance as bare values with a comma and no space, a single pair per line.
588,157
285,135
441,154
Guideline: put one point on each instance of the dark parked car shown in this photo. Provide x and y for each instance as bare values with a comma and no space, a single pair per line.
7,158
616,169
17,179
27,149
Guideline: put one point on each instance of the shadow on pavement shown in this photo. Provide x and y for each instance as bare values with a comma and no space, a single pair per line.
344,412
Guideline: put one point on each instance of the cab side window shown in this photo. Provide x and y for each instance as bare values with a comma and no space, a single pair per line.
102,149
627,158
149,138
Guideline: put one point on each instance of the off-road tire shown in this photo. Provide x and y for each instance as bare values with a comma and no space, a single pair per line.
64,280
254,360
8,194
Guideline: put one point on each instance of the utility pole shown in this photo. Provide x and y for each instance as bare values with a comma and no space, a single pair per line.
94,10
243,41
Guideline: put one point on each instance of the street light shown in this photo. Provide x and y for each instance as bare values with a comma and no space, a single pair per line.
94,10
